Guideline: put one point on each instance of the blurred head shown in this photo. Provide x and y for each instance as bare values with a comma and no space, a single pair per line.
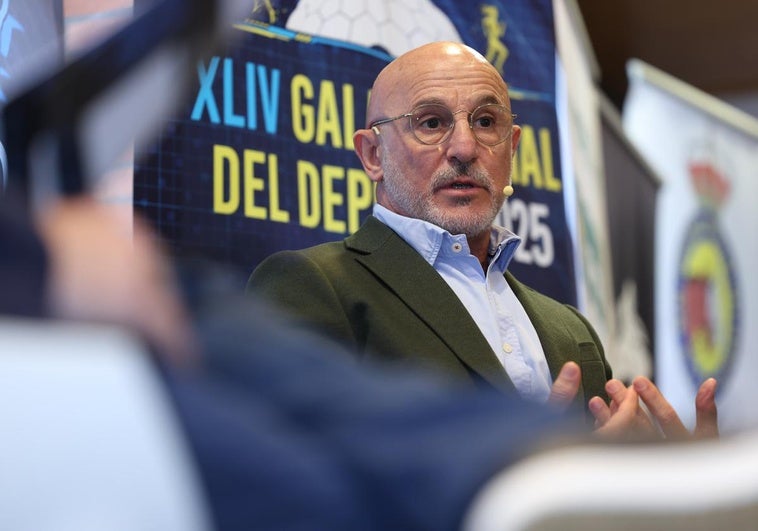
440,139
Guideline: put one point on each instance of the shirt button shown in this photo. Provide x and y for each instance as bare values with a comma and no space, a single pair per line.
507,348
457,247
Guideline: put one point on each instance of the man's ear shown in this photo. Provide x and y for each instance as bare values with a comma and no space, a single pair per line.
515,137
366,142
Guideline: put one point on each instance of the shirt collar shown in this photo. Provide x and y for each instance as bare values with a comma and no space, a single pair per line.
427,239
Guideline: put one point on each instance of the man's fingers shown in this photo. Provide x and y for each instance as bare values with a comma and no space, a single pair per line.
623,425
707,425
566,385
600,411
616,390
660,409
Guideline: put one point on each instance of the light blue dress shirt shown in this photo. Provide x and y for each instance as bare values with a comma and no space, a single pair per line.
487,297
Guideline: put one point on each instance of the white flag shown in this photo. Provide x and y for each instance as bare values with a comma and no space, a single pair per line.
706,251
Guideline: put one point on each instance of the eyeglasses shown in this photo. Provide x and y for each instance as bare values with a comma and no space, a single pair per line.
433,123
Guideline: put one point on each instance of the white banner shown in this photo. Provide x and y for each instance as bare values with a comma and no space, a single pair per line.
706,154
584,179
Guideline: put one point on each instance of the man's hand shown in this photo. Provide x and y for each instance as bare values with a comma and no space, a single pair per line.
566,386
622,420
671,426
625,419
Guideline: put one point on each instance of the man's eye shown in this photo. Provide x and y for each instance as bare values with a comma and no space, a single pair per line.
485,122
431,122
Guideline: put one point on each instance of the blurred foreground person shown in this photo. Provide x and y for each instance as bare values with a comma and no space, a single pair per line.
286,430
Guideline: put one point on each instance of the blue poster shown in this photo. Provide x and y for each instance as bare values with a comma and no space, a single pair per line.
261,159
31,42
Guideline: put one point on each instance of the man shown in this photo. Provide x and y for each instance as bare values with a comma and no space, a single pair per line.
424,280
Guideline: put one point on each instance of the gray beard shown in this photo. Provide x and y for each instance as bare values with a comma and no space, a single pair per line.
421,206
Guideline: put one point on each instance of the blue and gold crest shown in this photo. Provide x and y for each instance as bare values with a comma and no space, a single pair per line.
708,305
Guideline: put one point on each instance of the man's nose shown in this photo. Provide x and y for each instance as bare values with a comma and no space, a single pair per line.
462,144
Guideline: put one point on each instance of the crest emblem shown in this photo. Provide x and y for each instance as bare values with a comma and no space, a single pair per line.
707,306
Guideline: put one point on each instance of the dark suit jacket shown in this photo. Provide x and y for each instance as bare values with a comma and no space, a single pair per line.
23,260
375,294
289,433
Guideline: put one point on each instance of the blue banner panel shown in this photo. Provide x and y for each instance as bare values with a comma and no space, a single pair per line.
262,159
31,43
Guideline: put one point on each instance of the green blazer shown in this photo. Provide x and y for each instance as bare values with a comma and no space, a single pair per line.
375,294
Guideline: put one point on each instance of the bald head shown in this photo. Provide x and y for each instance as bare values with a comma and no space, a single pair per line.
418,69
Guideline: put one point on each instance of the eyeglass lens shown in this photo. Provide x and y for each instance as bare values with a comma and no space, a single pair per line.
433,123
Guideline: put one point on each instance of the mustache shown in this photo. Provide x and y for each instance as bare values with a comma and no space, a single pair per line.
449,175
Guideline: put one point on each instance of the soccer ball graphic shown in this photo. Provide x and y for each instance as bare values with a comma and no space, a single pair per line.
393,25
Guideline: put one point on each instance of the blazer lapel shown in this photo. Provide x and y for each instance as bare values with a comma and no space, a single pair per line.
554,349
414,281
552,338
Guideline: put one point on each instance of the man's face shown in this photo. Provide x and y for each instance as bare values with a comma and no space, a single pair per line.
459,197
457,185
